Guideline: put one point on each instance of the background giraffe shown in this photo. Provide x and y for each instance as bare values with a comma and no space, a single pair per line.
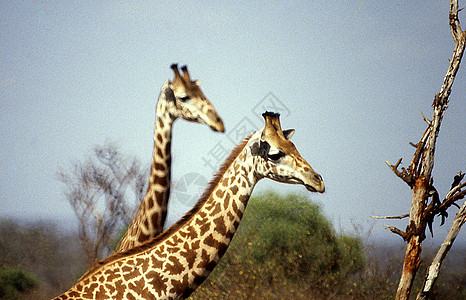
173,264
181,98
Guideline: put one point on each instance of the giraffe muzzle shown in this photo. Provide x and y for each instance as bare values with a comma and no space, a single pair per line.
317,184
218,125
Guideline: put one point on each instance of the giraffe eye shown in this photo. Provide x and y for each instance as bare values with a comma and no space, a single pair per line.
184,98
275,156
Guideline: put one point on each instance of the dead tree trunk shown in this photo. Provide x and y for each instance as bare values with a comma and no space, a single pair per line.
419,174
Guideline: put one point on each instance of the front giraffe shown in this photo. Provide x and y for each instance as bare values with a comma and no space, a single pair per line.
181,98
177,261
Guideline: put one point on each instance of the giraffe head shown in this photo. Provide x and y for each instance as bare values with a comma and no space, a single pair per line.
189,101
278,158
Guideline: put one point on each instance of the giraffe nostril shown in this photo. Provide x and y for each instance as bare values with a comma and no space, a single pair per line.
318,177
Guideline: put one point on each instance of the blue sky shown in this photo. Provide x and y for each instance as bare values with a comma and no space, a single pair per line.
352,78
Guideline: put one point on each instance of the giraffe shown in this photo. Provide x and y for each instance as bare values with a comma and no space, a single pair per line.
181,98
174,263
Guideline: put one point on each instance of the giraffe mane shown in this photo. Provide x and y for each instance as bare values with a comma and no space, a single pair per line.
174,228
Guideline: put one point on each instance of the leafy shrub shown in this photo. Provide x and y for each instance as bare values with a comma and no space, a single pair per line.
14,282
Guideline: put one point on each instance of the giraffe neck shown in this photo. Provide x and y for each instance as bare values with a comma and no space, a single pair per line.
152,211
173,264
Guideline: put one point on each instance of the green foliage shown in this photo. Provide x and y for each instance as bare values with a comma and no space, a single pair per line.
290,232
14,282
351,254
285,247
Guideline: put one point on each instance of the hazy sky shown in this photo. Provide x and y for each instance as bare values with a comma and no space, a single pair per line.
352,77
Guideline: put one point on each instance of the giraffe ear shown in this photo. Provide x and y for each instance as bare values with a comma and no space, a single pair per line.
260,148
288,133
168,92
264,149
197,82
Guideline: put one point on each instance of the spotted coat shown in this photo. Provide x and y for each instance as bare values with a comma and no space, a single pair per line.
181,98
173,264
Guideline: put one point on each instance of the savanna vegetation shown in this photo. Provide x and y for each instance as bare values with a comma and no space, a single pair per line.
14,282
41,256
285,248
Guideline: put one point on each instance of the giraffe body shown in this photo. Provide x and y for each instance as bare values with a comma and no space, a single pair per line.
181,98
174,263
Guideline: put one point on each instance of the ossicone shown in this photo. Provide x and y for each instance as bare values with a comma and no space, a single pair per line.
174,67
185,73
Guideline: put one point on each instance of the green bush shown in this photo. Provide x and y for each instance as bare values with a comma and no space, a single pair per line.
285,247
14,282
290,232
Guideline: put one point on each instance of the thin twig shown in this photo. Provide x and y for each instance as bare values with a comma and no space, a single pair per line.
429,122
391,217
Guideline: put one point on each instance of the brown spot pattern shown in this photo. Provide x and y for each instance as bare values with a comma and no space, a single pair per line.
216,210
185,249
226,201
174,267
204,228
220,226
150,203
156,280
142,237
159,151
160,180
160,123
155,218
234,190
219,193
190,253
159,138
159,167
168,149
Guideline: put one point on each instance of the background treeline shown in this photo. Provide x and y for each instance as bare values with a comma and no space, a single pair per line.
54,259
285,248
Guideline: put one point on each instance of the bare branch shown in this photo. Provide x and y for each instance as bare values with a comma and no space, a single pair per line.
395,230
404,174
457,33
96,190
429,122
452,199
413,167
434,268
455,191
391,217
453,195
456,181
